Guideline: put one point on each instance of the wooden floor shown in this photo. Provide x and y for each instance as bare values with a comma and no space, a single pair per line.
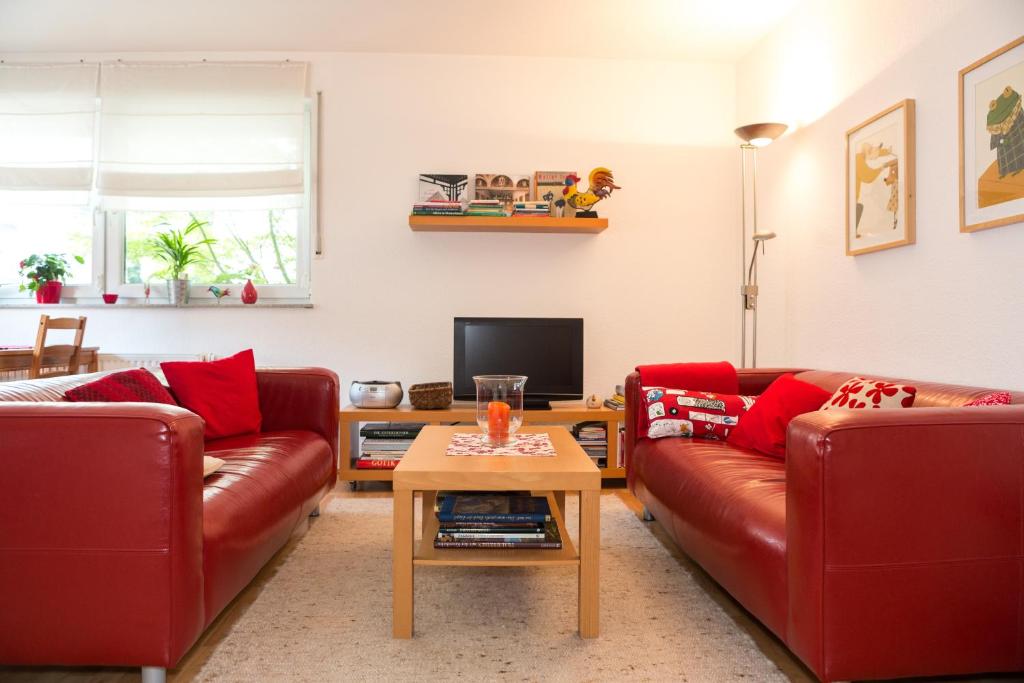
194,660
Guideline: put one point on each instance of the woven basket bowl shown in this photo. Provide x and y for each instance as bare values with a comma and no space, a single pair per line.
431,396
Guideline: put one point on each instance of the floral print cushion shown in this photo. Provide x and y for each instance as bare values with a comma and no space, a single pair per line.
862,393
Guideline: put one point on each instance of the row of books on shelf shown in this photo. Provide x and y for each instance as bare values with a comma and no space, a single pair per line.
382,444
593,439
508,520
480,207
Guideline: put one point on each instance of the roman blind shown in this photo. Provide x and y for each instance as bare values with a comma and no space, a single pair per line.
47,128
201,130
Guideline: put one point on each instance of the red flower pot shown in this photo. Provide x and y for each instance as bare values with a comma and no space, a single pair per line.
249,294
49,292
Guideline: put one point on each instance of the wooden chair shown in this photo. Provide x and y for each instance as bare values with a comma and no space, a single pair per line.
59,359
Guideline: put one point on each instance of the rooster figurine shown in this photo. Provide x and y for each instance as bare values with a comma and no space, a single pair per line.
601,185
219,293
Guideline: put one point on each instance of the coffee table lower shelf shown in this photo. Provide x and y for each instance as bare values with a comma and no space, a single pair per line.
427,555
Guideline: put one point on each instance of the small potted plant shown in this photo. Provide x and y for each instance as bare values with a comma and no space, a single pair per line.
45,274
175,249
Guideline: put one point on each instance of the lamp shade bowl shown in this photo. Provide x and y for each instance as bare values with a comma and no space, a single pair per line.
761,134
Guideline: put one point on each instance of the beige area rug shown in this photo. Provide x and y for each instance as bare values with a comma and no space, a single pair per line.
326,615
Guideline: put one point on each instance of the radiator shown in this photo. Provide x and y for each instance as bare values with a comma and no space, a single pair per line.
122,361
150,361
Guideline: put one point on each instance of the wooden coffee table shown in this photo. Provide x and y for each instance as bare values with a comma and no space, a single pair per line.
426,468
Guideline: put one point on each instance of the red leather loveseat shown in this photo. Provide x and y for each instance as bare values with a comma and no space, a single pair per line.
113,548
889,543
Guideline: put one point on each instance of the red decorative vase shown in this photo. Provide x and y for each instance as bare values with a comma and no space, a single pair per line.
49,292
249,293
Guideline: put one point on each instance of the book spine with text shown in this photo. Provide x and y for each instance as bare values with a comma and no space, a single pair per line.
529,545
389,433
496,517
377,464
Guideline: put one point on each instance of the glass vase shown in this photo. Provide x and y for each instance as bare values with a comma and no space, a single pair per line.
499,407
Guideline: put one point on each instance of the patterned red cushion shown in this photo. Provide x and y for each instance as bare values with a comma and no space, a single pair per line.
996,398
859,393
137,385
679,412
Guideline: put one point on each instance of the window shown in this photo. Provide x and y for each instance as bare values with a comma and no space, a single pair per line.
267,245
155,147
39,229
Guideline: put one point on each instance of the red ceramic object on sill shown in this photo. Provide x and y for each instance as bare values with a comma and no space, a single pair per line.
49,292
110,298
249,294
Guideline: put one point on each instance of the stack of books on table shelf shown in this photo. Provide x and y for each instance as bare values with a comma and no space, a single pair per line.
437,208
485,207
617,400
593,438
514,520
382,444
532,209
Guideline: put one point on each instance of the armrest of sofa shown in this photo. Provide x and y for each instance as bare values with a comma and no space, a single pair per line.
634,404
300,398
100,533
904,532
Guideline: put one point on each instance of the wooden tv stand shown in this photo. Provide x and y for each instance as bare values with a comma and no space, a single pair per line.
568,412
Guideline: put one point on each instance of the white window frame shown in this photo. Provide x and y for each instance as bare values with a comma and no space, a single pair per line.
299,291
108,248
79,291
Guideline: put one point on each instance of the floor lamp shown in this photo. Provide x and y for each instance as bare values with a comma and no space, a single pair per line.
754,136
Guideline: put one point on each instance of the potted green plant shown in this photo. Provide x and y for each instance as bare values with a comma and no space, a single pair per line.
175,248
45,274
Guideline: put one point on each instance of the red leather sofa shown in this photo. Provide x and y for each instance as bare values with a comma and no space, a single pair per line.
113,548
890,543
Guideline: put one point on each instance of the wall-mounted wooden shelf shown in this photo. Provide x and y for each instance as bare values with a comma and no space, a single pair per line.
570,226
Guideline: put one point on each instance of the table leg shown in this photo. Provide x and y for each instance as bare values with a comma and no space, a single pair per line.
401,566
590,552
560,502
427,510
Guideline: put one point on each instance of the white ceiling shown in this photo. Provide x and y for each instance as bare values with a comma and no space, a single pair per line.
695,30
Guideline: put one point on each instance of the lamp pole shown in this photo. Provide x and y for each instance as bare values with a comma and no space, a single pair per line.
753,135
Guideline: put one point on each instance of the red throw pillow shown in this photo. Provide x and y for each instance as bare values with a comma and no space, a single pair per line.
764,427
860,393
996,398
679,412
222,392
139,385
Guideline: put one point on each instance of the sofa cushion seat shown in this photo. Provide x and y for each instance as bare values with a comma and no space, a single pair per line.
727,508
252,504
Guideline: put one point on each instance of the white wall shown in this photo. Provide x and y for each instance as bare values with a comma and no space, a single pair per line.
947,308
651,287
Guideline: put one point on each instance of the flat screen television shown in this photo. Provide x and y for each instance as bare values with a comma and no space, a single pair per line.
549,351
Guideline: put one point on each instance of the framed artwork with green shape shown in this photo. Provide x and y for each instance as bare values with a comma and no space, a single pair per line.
880,181
992,139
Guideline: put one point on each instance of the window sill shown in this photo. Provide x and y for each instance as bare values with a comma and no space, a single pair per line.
158,304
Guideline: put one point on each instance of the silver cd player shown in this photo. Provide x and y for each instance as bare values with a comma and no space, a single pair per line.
375,394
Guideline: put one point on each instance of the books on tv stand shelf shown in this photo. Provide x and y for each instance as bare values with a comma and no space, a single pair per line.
568,413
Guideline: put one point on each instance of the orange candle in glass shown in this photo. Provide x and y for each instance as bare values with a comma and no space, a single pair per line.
498,414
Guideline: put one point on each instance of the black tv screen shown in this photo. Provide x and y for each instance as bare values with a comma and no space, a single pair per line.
549,351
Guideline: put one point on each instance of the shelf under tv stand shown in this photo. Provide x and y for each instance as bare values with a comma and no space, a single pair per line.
568,412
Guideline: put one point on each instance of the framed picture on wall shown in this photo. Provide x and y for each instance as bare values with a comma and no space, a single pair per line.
992,139
880,181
